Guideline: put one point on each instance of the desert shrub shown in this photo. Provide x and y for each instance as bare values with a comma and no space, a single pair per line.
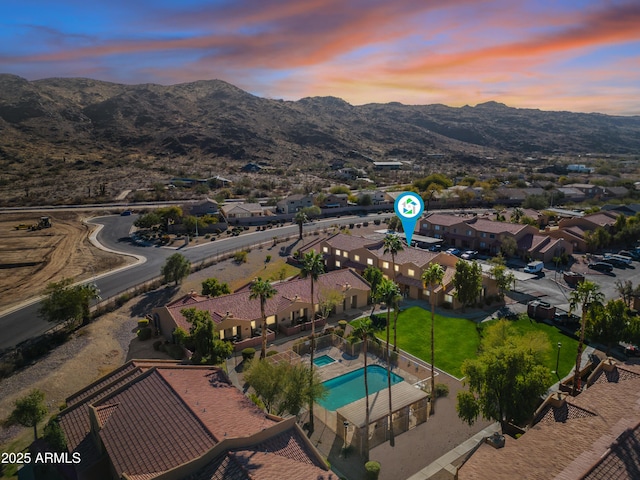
442,390
175,351
271,353
248,353
157,344
144,334
143,322
267,259
240,257
372,470
255,399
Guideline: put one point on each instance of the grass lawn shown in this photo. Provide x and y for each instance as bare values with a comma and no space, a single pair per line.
567,352
457,339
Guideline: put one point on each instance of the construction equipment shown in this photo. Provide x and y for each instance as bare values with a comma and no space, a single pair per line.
45,222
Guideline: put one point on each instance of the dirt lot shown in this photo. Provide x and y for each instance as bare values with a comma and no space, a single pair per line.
31,259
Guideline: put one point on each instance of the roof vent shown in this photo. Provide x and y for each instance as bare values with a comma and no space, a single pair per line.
496,440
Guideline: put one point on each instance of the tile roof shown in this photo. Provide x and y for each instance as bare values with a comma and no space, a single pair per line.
574,444
602,219
490,226
621,461
243,308
417,256
149,429
444,219
349,242
531,242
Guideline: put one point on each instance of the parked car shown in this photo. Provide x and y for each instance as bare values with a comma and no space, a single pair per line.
564,318
601,266
469,254
534,267
632,351
614,262
635,254
435,248
126,213
454,251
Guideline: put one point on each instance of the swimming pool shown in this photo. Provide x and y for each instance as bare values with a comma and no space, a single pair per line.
323,360
349,387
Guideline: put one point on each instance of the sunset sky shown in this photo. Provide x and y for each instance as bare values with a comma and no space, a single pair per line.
576,55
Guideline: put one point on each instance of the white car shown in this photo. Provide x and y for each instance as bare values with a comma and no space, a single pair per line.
469,254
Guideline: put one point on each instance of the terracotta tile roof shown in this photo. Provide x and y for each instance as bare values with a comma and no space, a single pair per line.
617,374
490,226
601,218
622,460
404,280
553,243
109,379
576,231
243,308
225,411
569,449
418,257
563,413
349,242
444,219
531,242
282,456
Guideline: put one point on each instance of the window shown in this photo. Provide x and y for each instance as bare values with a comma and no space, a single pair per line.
385,264
492,235
338,252
469,232
345,254
483,244
411,272
325,249
483,234
455,230
436,227
369,261
356,258
425,225
337,263
396,268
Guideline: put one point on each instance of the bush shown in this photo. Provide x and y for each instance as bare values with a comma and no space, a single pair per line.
271,353
156,345
240,257
342,324
54,435
143,322
144,334
442,390
339,332
267,259
175,351
248,353
373,470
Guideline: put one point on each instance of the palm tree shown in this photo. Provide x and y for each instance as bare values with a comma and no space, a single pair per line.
393,245
300,218
312,267
87,293
364,331
586,294
263,290
389,293
433,276
374,276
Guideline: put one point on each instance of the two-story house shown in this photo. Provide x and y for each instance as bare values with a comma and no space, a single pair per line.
294,203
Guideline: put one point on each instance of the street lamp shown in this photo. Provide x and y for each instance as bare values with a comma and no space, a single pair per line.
558,360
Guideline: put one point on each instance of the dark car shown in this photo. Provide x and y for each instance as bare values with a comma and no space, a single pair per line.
601,266
632,351
454,251
563,318
126,213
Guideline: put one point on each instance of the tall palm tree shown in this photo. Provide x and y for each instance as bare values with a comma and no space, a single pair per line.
433,276
312,267
393,245
364,331
586,294
263,290
300,218
389,294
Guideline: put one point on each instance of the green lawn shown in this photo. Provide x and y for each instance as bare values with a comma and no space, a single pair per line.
457,339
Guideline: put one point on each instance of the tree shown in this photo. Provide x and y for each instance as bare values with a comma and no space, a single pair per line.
328,299
66,303
587,294
300,219
148,220
29,411
170,215
508,246
215,288
176,268
374,276
626,291
312,267
202,335
607,324
393,245
506,380
433,277
282,387
504,279
388,292
363,331
262,290
468,282
435,178
395,224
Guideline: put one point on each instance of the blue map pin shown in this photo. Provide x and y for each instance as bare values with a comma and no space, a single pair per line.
409,207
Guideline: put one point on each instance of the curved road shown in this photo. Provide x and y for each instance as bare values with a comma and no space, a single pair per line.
24,323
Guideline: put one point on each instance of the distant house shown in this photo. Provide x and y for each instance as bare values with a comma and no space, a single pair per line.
206,207
616,192
251,168
574,230
579,168
294,203
587,189
335,200
377,196
158,419
242,210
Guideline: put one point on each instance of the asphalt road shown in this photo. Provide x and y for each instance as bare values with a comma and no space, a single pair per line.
25,323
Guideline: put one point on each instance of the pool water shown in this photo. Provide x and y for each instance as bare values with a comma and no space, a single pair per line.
349,387
323,360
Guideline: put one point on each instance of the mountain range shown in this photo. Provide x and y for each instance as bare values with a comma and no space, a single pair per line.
98,125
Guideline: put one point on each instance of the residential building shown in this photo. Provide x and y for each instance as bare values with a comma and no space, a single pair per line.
238,318
206,207
335,200
234,211
574,230
593,436
587,189
377,196
157,419
294,203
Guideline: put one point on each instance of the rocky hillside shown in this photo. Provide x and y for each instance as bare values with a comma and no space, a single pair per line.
50,127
